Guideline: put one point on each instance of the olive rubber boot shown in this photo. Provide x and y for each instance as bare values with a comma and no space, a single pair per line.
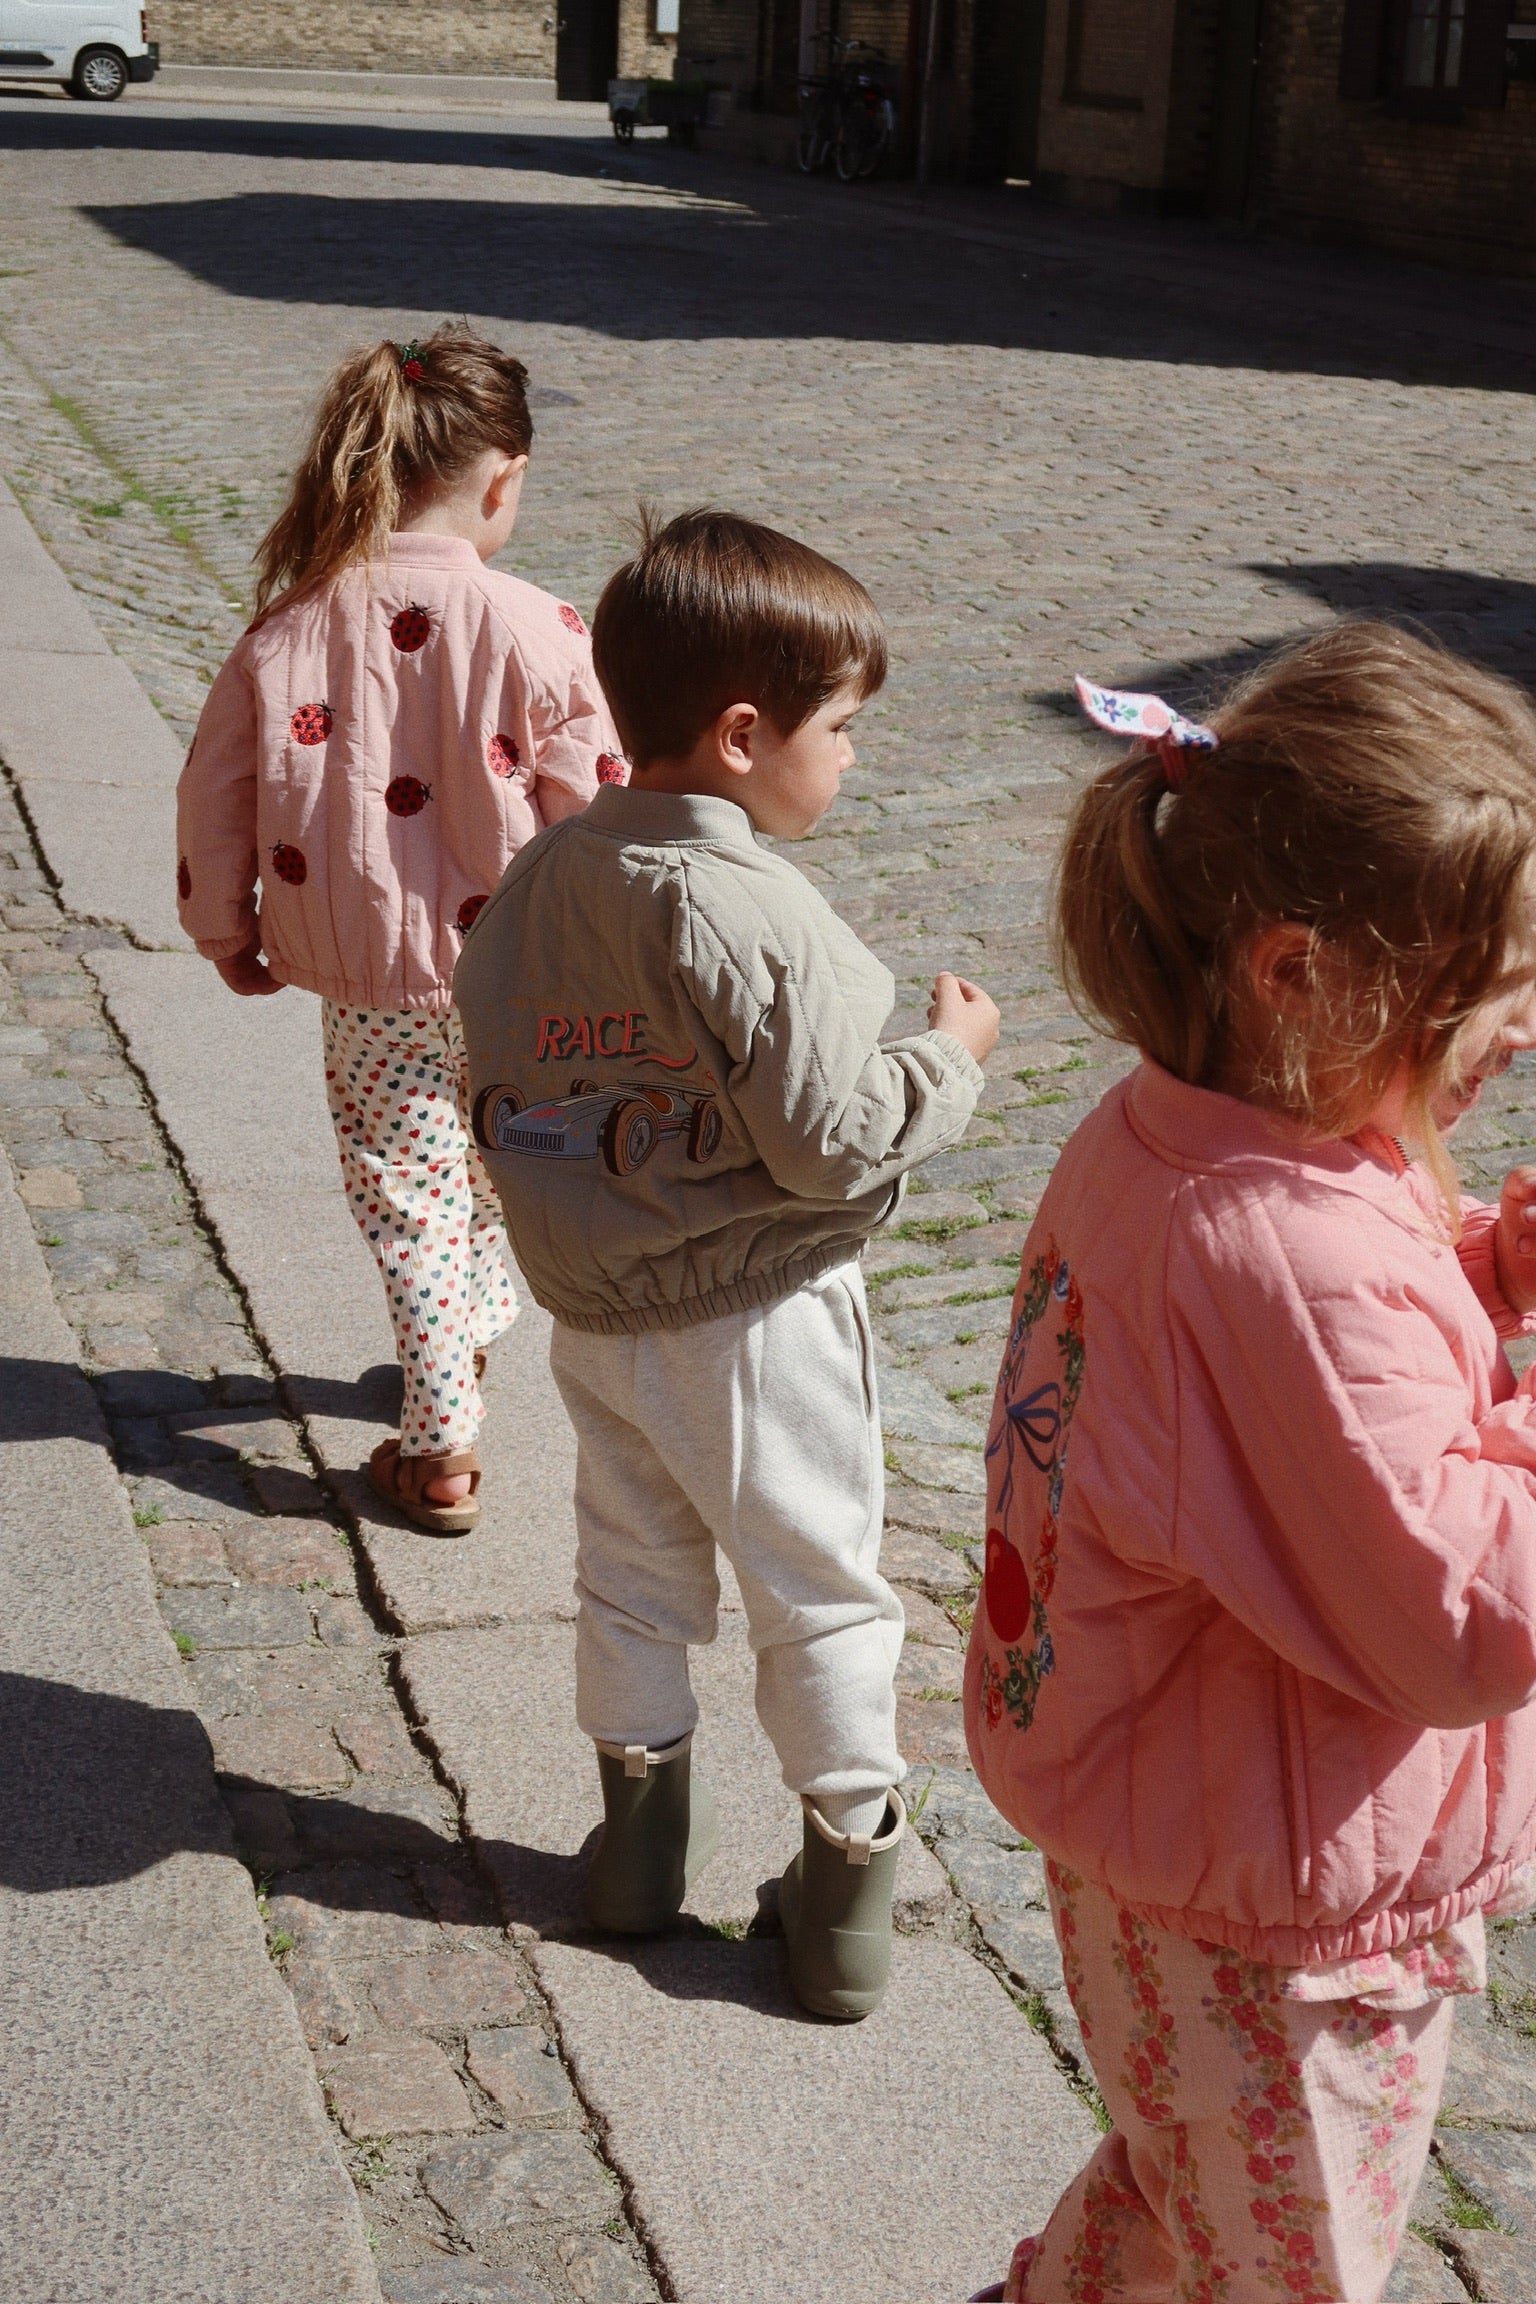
658,1834
835,1903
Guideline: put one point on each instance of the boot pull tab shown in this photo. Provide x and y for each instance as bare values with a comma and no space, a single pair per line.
859,1845
637,1759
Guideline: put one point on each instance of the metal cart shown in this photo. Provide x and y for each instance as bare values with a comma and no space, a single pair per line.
676,105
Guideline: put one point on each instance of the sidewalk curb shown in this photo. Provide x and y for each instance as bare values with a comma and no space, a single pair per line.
95,763
160,2098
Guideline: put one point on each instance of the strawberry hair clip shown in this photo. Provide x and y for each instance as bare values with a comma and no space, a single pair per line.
1154,725
412,366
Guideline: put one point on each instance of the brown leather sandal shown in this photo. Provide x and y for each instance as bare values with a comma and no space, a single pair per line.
403,1480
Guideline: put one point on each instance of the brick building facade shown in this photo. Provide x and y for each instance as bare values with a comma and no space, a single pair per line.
1406,124
1432,153
491,37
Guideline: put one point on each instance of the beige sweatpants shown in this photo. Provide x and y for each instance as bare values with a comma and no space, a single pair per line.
759,1433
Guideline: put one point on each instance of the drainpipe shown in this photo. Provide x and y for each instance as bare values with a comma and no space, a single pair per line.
925,117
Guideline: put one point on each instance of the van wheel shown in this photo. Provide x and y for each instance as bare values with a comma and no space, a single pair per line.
629,1136
100,76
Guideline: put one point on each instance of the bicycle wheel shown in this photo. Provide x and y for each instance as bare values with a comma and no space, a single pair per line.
811,146
880,142
855,140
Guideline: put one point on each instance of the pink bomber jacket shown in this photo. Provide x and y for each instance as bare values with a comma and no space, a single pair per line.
1256,1650
374,755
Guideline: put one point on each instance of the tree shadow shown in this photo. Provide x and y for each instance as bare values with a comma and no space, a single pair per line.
694,273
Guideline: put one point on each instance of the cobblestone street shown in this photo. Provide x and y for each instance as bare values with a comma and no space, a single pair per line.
1050,445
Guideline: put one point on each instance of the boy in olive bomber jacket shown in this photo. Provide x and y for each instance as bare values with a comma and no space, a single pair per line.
681,1095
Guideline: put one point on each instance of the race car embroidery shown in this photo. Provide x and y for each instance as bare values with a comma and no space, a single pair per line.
621,1125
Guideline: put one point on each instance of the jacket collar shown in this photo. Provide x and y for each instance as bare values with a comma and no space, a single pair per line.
1197,1129
414,548
662,819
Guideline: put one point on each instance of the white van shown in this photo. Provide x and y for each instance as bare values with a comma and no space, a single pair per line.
93,47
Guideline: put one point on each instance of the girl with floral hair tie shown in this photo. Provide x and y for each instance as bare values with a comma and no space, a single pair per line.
397,722
1256,1649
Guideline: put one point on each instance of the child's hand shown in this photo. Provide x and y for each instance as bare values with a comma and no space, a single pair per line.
247,973
1514,1241
965,1012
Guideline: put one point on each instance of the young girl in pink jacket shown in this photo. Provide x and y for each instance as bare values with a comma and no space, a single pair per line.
397,722
1256,1651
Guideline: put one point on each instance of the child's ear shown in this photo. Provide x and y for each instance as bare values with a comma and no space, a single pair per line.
734,730
504,479
1280,967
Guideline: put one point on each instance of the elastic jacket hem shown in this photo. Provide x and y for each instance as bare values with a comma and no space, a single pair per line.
745,1295
1293,1947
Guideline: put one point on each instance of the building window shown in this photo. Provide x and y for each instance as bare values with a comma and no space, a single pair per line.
1431,59
1432,43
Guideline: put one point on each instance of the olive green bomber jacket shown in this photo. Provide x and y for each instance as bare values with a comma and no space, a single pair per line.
678,1081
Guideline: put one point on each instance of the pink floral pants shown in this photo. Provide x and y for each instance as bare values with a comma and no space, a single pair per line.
1266,2142
398,1090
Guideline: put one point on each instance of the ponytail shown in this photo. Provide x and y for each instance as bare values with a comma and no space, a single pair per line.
394,423
1123,953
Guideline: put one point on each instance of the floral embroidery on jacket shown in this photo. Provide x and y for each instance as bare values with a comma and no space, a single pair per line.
1030,1429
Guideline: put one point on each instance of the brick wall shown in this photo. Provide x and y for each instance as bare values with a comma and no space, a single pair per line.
1104,105
1457,192
478,36
644,53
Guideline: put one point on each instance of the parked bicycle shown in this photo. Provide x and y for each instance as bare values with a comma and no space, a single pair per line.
849,116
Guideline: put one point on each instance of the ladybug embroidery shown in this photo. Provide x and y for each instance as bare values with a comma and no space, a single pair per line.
311,724
572,621
410,629
468,913
1007,1587
183,880
502,756
288,863
407,796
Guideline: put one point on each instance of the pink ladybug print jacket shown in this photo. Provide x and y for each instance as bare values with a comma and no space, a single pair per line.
370,760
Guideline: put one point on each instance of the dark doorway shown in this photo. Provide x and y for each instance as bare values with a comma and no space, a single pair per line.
586,50
1005,104
1239,29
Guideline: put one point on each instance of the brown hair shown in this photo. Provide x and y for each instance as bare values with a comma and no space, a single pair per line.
1372,788
394,421
716,610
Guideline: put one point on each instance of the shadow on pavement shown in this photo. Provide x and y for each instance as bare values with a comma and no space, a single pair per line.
641,273
1491,619
46,1400
98,1788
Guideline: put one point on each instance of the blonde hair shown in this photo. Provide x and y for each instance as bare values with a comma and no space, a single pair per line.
393,422
715,609
1370,787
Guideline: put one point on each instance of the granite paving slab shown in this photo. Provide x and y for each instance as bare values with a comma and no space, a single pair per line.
861,2182
499,1708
